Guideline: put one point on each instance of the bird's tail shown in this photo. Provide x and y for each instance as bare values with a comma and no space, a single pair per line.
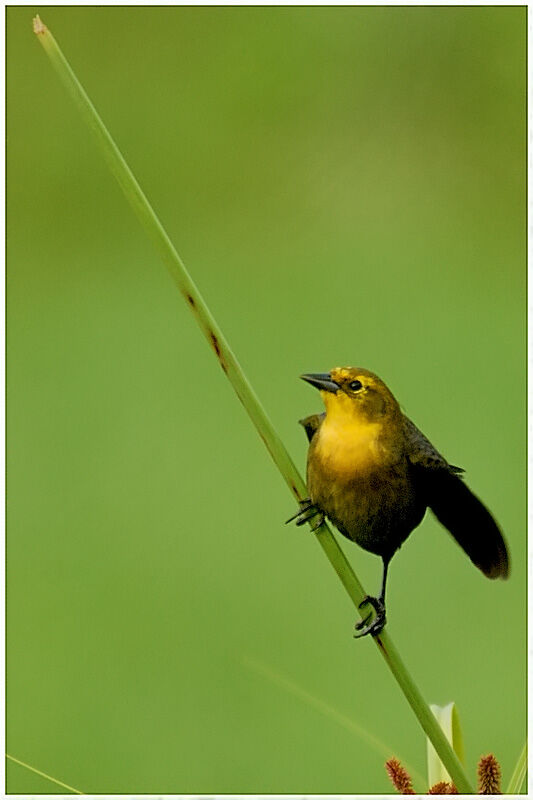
469,522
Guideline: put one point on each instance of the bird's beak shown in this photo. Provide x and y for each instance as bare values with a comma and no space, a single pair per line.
322,381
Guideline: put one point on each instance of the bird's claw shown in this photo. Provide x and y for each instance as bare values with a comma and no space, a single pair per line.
308,511
378,623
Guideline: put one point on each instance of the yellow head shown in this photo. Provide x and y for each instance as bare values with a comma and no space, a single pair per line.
355,394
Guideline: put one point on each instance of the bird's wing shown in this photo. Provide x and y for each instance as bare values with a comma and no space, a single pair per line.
421,452
455,506
311,424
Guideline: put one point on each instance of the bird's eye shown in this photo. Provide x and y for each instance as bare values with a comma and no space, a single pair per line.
355,386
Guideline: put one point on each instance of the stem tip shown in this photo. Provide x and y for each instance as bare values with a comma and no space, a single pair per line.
38,27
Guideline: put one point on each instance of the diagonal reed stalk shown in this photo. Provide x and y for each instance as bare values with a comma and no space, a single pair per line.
246,394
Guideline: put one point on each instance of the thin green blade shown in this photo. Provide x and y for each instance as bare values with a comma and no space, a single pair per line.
519,773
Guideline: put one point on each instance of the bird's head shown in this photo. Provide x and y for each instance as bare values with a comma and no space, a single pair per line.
356,393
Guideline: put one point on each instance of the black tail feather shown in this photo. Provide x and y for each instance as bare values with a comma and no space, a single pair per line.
469,522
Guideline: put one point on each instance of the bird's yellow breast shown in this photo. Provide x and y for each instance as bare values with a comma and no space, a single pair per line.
348,447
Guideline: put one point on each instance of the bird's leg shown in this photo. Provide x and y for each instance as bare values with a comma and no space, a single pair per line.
308,511
378,604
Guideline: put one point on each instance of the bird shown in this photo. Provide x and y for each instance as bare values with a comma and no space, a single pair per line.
374,474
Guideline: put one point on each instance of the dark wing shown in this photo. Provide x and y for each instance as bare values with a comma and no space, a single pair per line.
420,450
312,424
455,506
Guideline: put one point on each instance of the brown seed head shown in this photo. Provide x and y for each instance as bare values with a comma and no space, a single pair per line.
489,775
399,776
443,787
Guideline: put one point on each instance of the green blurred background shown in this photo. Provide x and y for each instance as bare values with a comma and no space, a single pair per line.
346,186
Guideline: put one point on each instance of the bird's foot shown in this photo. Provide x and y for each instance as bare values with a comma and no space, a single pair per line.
375,627
308,511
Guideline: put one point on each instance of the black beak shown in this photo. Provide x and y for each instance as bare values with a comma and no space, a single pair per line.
322,381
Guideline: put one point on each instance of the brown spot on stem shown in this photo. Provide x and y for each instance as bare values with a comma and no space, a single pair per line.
216,346
296,492
218,351
190,301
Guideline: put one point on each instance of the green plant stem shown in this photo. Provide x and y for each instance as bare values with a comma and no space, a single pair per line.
43,774
519,772
246,394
